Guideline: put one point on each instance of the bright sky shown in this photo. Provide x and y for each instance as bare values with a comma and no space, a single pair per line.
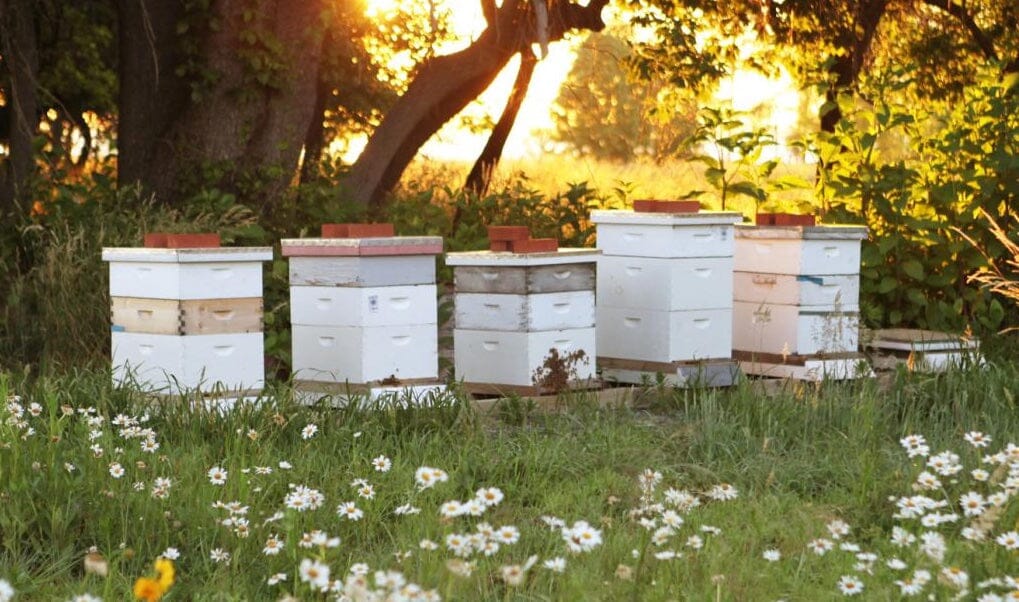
745,90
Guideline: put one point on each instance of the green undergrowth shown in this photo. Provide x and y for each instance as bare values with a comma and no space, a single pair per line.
796,460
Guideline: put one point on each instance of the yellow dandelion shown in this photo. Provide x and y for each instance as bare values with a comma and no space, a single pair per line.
151,590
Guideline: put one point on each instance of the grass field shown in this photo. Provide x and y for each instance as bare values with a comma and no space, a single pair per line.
696,495
671,179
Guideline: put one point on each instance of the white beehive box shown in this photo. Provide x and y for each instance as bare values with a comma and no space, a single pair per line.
665,295
513,309
360,354
832,291
219,273
179,364
795,330
363,306
799,250
377,270
512,358
364,311
665,284
629,233
521,313
664,336
187,319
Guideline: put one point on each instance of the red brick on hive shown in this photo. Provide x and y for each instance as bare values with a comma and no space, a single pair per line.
535,245
652,206
785,219
508,233
358,230
155,240
163,240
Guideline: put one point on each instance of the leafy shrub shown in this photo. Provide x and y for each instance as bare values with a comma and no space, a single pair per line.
959,160
55,309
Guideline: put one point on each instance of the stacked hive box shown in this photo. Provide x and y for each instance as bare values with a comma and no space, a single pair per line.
363,311
665,295
188,319
797,294
524,321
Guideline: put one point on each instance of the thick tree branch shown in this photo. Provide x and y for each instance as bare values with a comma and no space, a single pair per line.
489,10
966,19
444,85
480,176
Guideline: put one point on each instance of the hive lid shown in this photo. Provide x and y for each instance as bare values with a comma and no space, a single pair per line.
701,218
910,339
193,255
497,259
824,232
347,247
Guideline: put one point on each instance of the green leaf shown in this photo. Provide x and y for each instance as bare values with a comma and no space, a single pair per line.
913,269
747,189
887,284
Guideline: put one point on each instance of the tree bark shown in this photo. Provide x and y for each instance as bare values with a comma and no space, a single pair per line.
245,129
445,85
846,67
21,56
480,176
314,138
151,95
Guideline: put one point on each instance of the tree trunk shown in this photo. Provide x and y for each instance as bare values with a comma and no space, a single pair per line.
246,125
151,95
446,84
314,138
846,67
21,57
480,176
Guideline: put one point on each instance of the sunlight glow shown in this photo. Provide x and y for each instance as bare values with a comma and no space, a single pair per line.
773,103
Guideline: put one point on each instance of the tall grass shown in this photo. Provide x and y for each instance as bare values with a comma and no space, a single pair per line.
799,459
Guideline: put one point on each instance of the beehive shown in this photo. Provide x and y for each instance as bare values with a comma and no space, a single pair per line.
187,319
665,295
517,312
796,296
364,312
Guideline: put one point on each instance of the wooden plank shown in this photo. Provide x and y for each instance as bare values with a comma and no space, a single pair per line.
908,339
793,360
814,369
188,317
664,367
221,316
151,316
525,280
561,278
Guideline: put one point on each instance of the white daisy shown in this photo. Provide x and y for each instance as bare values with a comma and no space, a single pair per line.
314,573
350,511
382,464
217,476
850,586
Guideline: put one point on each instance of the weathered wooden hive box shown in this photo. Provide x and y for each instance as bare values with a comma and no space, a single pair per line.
363,310
514,309
187,319
665,295
797,295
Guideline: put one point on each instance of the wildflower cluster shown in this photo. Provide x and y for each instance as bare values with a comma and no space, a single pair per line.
949,527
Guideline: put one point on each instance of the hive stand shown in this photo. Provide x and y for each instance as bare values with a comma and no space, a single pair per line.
364,316
665,296
188,320
925,350
797,295
516,313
